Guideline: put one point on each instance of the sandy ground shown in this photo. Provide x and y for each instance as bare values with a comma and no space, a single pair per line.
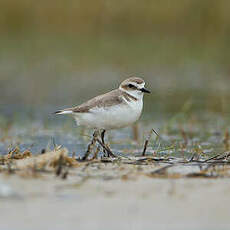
112,196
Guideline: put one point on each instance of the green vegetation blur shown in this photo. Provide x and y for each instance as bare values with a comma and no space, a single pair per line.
63,52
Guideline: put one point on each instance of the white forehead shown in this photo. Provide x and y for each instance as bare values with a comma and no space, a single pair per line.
133,80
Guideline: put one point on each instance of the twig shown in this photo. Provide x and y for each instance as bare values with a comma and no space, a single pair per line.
194,154
106,148
212,158
91,145
96,152
147,141
157,134
59,166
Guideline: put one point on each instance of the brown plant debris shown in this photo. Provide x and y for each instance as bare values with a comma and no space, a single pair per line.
147,140
55,159
16,154
106,148
91,145
59,162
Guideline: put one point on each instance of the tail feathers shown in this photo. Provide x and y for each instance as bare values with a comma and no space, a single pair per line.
64,111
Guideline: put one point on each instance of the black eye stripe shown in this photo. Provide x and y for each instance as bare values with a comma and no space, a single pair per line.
131,86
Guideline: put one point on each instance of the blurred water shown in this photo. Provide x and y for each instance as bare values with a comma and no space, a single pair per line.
189,93
182,133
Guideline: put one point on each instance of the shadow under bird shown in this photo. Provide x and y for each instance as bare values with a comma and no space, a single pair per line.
116,109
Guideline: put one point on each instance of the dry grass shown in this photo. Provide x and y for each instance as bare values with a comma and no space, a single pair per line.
59,163
56,161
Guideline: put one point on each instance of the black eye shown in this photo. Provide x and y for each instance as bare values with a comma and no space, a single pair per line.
131,86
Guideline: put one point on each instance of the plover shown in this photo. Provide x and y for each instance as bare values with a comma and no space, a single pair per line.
116,109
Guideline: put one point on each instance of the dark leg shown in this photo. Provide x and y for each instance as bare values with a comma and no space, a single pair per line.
91,145
103,139
103,136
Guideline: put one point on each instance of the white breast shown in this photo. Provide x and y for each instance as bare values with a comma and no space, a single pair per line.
112,117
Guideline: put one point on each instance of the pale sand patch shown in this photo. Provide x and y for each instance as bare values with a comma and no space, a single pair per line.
112,196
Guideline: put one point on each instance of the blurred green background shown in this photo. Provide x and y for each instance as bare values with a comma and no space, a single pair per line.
60,53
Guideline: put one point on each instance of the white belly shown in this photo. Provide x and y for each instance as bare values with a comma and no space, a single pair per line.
113,117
